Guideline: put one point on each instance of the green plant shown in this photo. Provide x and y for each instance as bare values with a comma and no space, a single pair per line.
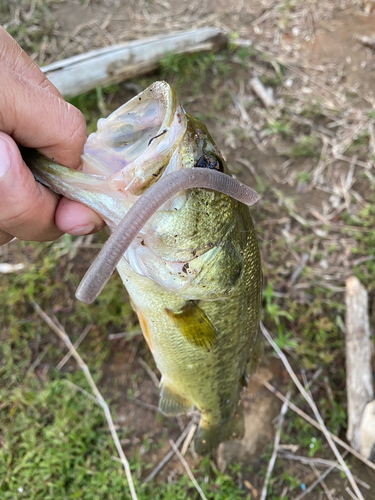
360,145
274,313
275,127
291,481
303,177
308,145
314,446
180,69
243,53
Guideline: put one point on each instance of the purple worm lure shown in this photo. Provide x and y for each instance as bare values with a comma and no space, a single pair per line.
105,263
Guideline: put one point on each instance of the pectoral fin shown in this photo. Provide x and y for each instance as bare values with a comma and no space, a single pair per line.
194,325
171,403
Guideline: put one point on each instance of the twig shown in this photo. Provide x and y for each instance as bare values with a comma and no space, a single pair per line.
248,165
303,74
325,488
351,493
241,108
308,460
138,402
82,391
319,480
187,468
350,160
349,179
315,410
63,335
302,119
250,487
150,373
317,426
39,358
322,163
169,455
300,268
122,335
264,94
316,461
188,439
180,423
275,447
76,345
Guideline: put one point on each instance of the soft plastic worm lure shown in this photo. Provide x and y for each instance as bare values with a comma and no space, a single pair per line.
105,263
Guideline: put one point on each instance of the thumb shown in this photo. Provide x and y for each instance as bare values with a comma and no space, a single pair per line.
27,209
4,167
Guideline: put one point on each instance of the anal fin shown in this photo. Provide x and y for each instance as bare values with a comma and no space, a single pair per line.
171,403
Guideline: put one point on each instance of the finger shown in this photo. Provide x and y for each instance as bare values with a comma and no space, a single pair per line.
27,208
36,118
74,218
17,60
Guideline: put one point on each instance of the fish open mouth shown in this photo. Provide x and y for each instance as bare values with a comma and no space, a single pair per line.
136,130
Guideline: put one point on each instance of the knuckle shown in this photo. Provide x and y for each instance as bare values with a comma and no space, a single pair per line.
75,133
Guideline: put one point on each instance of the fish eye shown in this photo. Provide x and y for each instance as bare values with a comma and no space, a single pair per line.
209,161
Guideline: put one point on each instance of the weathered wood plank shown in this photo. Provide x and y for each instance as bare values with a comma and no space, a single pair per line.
358,359
84,72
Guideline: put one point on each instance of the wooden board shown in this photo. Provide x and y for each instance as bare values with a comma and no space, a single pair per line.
79,74
358,358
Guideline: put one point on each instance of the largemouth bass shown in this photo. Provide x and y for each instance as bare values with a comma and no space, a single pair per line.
193,270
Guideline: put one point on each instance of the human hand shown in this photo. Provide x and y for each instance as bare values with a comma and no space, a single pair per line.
34,114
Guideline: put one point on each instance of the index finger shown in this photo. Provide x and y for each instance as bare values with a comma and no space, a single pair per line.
17,60
33,111
36,118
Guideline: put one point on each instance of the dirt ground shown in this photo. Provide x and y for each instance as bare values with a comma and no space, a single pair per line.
314,50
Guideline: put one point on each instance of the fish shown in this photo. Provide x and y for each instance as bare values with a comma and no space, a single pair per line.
192,267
